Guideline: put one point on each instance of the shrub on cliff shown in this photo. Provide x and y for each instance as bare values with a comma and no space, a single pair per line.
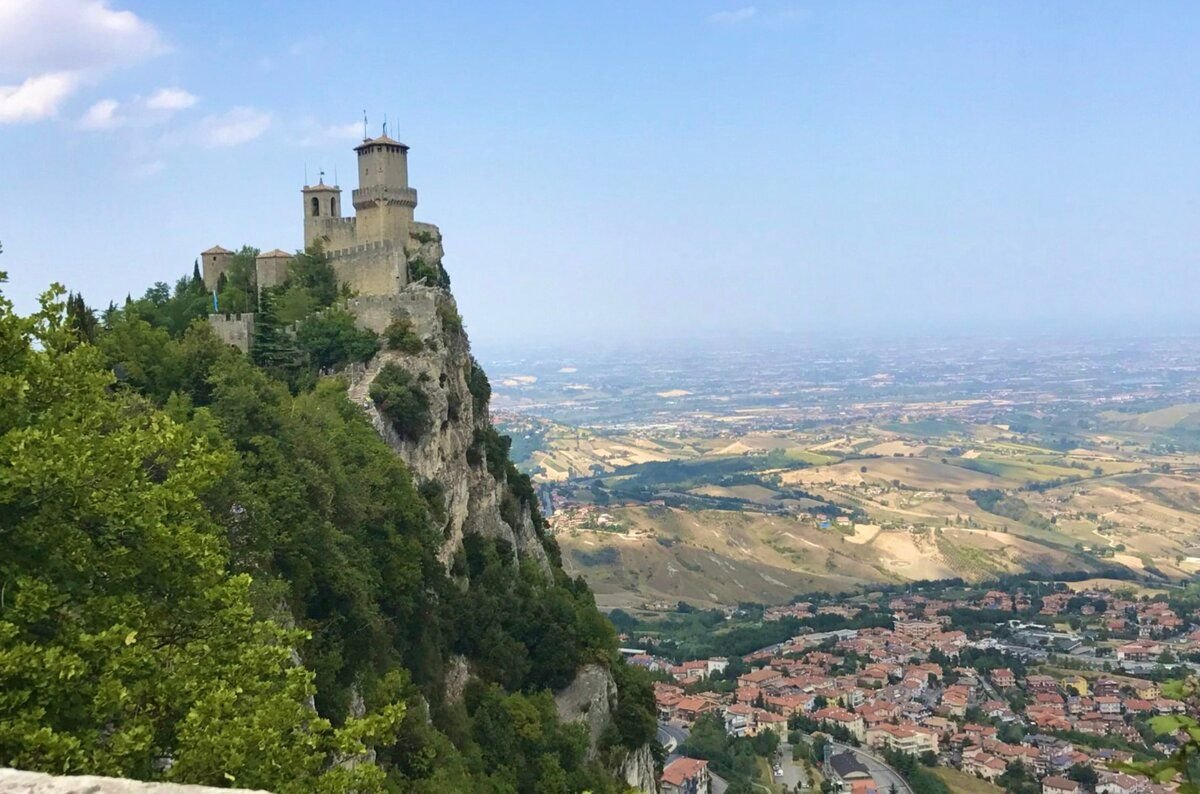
478,385
332,341
400,336
433,274
401,400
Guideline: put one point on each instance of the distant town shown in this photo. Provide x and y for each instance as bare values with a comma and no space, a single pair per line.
1050,685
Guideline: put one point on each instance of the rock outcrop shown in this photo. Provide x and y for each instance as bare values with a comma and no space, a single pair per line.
639,770
475,499
590,699
450,454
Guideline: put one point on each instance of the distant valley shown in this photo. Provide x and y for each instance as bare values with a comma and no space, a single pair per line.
743,484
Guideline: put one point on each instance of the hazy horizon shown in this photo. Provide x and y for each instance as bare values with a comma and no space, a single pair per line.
633,170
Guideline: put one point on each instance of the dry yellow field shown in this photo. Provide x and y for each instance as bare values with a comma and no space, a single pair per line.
709,557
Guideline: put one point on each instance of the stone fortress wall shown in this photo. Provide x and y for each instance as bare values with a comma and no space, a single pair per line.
234,329
369,251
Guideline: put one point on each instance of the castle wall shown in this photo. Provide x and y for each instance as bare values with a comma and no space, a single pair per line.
234,329
378,269
416,304
340,232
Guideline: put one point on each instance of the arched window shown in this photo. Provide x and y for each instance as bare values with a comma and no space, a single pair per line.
316,205
333,206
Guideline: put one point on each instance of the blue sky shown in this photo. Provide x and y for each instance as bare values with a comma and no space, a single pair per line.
633,168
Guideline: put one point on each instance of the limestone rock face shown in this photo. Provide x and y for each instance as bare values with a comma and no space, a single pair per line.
13,781
458,674
449,454
590,699
639,771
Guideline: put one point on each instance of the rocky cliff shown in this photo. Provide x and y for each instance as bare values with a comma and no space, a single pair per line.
451,455
451,460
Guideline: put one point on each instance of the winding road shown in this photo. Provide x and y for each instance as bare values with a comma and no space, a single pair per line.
884,775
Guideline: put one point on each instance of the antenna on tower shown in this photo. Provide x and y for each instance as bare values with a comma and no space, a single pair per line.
335,179
306,173
385,125
322,176
364,124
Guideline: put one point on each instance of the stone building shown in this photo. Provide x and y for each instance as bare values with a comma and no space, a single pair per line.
369,251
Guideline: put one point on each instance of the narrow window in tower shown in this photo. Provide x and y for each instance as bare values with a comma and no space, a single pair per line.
316,207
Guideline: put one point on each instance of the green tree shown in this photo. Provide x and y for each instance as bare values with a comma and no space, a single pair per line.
1085,774
401,399
239,290
123,637
332,340
311,271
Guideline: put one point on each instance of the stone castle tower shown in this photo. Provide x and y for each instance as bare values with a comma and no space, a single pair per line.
369,251
366,249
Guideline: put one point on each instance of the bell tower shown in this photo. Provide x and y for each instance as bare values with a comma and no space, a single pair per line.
321,202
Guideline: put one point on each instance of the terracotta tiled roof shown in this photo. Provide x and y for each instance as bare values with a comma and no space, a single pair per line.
682,769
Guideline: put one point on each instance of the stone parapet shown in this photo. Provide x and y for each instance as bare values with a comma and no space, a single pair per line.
15,781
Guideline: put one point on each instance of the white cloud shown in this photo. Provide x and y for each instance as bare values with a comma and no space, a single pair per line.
39,36
733,17
170,99
102,116
109,114
233,127
51,47
36,98
310,132
345,132
149,169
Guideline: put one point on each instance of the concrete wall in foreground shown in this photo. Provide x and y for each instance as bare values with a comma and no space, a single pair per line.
13,781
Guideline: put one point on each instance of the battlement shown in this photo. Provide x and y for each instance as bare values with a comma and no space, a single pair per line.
234,329
415,303
369,251
364,196
378,245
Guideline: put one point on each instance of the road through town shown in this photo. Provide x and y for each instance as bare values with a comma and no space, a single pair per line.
884,775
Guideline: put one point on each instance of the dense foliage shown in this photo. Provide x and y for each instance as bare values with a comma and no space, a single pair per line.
918,777
401,399
733,758
332,340
400,336
124,636
697,634
182,518
432,274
